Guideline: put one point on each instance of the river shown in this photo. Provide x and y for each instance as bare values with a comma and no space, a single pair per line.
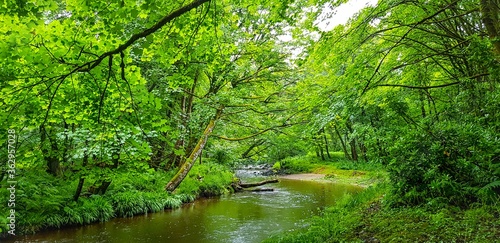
241,217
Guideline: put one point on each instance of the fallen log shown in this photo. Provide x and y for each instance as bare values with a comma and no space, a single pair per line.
239,187
259,190
247,185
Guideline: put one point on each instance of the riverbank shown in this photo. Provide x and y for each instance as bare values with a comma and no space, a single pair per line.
46,203
370,216
337,170
366,217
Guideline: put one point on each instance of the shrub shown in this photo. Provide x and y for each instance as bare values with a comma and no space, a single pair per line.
450,167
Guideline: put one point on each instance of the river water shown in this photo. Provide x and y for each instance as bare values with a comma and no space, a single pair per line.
241,217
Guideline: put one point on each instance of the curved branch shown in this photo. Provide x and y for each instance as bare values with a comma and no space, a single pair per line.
417,87
252,135
430,87
92,64
403,37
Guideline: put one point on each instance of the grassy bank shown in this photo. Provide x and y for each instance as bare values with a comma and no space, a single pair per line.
43,202
370,217
336,169
365,217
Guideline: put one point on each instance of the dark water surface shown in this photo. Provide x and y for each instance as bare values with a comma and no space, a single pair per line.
241,217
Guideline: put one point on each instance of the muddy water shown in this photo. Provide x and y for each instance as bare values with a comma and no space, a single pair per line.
241,217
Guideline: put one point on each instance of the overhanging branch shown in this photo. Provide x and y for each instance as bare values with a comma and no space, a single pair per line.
162,22
417,87
430,87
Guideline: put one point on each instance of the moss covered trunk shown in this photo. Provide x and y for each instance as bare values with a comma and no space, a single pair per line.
189,162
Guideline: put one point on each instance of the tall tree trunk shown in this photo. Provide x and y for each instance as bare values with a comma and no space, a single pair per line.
326,143
82,179
344,147
490,10
354,153
362,149
53,163
352,142
188,164
321,152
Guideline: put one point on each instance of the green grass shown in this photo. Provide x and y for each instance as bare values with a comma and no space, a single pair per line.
336,168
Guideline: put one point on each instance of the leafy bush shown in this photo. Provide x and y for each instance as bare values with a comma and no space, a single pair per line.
129,203
450,167
207,179
297,164
285,146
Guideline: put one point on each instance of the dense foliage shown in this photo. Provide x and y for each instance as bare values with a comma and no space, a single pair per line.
113,108
414,85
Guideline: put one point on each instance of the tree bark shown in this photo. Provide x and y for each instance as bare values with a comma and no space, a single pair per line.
490,17
188,164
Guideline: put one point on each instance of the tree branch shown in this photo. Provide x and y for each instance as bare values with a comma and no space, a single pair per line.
92,64
417,87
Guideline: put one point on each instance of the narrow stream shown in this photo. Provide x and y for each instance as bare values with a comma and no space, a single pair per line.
241,217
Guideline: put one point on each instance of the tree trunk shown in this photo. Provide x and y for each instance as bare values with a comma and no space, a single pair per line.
490,17
321,152
175,160
53,164
82,179
344,147
326,143
103,187
352,143
354,152
104,183
362,149
188,164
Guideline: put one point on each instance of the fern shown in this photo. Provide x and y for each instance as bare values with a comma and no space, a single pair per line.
491,185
